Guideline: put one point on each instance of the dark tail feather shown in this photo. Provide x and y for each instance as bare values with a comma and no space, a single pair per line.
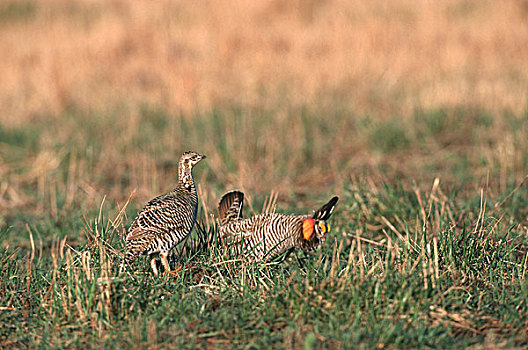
230,207
326,210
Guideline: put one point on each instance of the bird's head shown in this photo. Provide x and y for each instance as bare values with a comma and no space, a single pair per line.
315,228
190,159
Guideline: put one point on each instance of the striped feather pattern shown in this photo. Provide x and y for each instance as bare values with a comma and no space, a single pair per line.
230,207
167,219
266,236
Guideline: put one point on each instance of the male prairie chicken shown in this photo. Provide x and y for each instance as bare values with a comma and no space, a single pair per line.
266,236
167,219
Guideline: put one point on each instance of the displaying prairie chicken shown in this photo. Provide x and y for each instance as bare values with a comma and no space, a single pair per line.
266,236
167,219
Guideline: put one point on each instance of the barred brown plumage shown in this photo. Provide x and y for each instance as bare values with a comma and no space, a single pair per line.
167,219
266,236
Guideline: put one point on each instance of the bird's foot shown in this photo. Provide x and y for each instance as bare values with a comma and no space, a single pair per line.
174,273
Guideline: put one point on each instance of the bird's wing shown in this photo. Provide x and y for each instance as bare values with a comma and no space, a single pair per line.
160,216
138,233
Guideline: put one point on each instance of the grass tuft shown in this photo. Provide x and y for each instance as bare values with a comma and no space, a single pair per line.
389,136
403,267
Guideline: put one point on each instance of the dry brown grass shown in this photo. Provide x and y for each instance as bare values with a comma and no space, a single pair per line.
299,75
378,56
408,110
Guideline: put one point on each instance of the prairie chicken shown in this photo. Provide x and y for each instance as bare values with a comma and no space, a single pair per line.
266,236
167,219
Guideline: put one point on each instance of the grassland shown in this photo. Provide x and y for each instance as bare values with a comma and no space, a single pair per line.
414,114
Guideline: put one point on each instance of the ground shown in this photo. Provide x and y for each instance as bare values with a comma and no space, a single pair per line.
414,115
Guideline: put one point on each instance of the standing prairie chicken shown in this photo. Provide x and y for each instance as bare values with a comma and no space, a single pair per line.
167,219
266,236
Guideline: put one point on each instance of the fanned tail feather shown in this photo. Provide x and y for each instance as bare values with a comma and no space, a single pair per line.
230,207
326,210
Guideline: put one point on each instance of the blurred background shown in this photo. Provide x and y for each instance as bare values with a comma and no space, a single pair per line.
304,98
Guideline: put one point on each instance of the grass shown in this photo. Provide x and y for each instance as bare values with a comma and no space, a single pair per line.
402,268
437,264
380,58
15,11
416,116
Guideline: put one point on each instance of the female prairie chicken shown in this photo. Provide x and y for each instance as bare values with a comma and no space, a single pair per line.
167,219
266,236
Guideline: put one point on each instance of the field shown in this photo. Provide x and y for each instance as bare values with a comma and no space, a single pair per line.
414,114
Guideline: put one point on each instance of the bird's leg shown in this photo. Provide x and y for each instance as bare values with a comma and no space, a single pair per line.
282,258
154,267
175,272
299,260
165,263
